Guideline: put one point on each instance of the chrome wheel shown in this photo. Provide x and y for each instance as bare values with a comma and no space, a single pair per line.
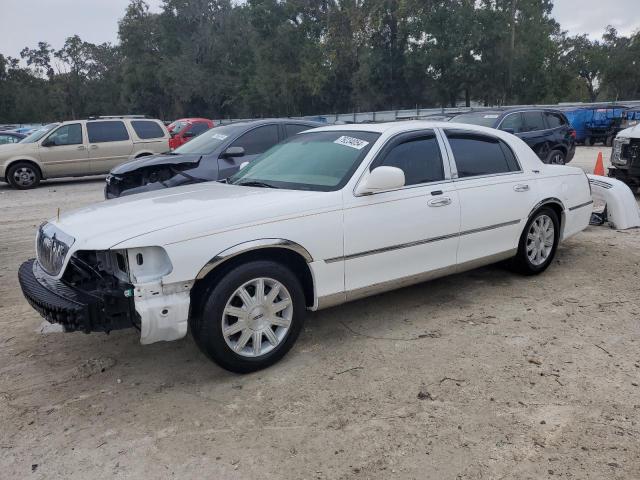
24,176
540,240
257,317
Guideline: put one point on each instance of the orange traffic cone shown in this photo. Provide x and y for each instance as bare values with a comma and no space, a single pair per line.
599,170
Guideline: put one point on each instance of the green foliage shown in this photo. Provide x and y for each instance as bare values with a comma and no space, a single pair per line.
222,58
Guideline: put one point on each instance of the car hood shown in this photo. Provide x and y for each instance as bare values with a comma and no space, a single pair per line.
155,161
631,132
180,213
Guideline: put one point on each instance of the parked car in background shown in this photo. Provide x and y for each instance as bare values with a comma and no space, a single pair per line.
80,147
625,156
185,129
328,216
546,131
214,155
10,137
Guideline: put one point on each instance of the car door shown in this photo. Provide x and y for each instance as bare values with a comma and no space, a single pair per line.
254,142
536,134
495,194
109,144
64,153
402,236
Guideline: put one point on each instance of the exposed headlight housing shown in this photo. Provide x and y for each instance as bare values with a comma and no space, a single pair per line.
52,247
616,156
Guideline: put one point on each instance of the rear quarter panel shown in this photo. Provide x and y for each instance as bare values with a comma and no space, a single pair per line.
570,185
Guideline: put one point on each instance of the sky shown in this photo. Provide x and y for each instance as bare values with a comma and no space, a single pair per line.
25,23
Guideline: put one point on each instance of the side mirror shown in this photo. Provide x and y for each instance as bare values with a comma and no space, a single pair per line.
48,143
243,164
381,179
233,152
508,130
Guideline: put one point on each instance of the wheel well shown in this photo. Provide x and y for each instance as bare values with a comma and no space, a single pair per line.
24,161
289,258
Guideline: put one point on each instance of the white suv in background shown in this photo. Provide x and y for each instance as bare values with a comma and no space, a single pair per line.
80,147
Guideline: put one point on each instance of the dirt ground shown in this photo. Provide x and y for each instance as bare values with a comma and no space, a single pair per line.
483,375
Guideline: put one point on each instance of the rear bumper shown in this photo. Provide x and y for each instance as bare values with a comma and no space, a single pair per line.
74,309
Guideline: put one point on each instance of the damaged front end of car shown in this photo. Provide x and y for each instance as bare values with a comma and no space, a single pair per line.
104,290
625,160
129,179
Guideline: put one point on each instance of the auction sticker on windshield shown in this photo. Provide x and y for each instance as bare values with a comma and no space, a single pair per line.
351,142
219,136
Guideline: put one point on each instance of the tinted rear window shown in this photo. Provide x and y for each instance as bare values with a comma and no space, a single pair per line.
111,131
147,129
555,120
477,154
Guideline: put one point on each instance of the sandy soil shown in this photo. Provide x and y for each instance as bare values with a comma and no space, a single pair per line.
484,375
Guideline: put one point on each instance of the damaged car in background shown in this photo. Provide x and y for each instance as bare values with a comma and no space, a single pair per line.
625,157
331,215
212,155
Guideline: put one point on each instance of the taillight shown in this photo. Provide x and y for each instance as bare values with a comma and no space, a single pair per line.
572,132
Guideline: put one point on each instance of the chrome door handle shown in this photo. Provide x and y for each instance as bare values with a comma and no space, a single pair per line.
521,188
439,202
80,147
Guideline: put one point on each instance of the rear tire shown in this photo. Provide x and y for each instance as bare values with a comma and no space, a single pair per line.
23,175
538,243
251,316
609,141
587,142
555,157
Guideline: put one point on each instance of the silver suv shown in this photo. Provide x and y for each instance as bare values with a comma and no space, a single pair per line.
80,147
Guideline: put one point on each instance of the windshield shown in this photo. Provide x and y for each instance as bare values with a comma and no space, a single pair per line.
319,161
38,134
176,127
207,142
485,119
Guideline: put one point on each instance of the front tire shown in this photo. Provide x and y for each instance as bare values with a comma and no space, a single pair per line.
538,242
23,175
251,316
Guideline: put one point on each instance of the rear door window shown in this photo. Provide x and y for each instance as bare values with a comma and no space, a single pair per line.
554,120
258,140
477,154
109,131
418,157
533,121
146,129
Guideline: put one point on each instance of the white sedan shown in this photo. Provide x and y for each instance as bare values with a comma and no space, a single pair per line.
331,215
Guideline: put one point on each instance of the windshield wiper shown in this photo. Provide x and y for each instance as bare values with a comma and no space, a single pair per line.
253,183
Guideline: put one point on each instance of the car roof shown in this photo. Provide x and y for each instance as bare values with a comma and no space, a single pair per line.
193,119
264,121
406,126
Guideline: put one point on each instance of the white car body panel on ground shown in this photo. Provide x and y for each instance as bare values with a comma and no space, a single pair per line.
356,244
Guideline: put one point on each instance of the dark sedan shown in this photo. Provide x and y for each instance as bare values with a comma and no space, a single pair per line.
213,155
545,130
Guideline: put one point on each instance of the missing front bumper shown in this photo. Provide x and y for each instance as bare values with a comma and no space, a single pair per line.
75,309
